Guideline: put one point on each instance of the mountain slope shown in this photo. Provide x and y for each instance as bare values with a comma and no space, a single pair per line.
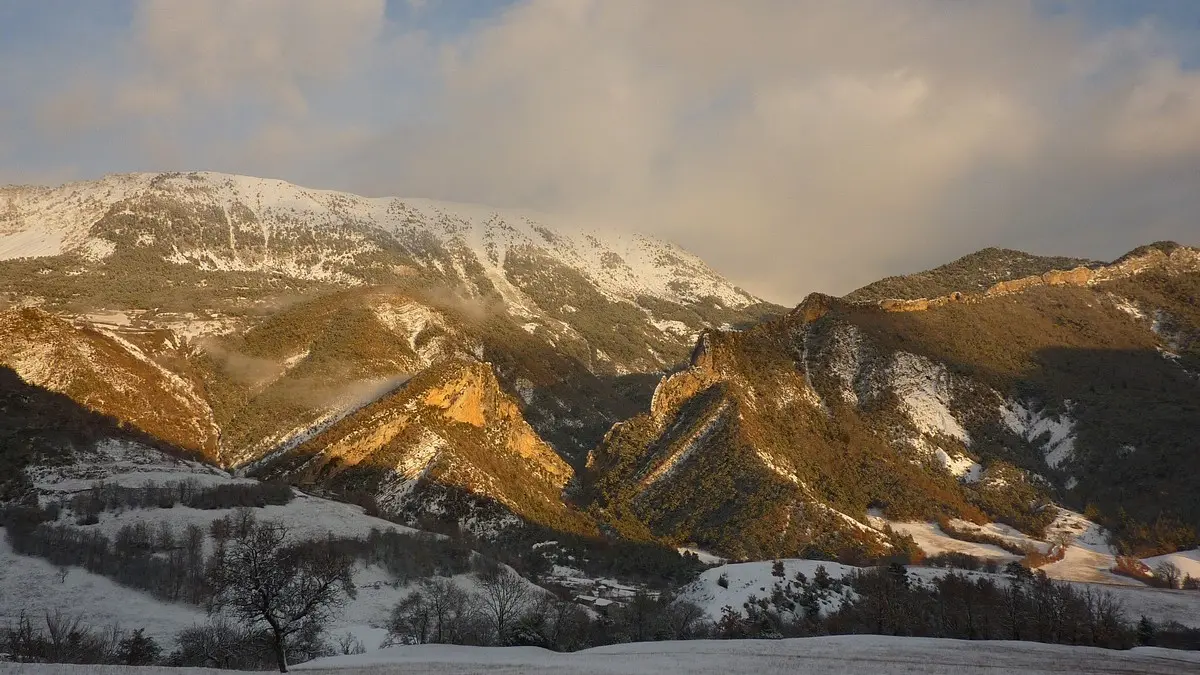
448,442
110,375
1076,387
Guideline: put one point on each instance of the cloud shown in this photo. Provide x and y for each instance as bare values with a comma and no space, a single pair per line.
802,146
224,49
796,146
185,66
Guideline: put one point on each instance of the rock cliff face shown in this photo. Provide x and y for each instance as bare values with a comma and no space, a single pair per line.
450,442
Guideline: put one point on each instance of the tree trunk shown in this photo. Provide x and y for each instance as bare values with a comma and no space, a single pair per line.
280,656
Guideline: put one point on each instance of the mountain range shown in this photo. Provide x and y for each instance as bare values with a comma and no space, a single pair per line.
494,369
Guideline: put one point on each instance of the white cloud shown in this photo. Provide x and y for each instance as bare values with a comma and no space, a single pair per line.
221,49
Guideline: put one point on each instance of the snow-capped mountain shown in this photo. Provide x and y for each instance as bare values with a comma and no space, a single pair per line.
220,222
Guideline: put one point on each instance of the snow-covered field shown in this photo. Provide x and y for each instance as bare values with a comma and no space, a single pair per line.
35,586
840,655
933,541
754,578
1188,562
1088,558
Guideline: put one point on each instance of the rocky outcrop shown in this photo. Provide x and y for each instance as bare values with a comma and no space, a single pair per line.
1080,276
473,396
450,431
1013,286
678,387
1175,259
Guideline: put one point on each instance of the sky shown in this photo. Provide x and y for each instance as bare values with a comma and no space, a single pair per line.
796,146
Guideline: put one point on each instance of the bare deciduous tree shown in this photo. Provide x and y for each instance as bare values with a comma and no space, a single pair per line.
505,596
411,620
1168,573
262,579
450,608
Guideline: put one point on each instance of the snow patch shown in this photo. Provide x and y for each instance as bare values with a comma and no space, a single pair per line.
1188,562
925,394
962,467
1054,434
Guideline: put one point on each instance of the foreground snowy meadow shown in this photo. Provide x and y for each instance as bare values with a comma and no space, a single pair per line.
840,655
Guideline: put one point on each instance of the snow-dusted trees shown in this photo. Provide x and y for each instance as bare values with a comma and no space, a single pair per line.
262,579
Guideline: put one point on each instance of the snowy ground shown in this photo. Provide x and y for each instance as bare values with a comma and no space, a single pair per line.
752,578
305,517
1188,562
34,586
841,655
1088,558
933,541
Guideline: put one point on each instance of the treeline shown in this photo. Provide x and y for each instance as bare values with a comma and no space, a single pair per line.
502,609
62,638
533,550
888,601
104,497
167,562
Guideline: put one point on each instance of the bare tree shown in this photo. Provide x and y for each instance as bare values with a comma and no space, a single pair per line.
349,644
563,625
1062,539
683,619
450,609
218,644
505,596
411,620
261,579
1168,573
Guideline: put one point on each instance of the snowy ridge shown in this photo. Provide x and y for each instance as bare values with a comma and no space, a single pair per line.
40,221
50,221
